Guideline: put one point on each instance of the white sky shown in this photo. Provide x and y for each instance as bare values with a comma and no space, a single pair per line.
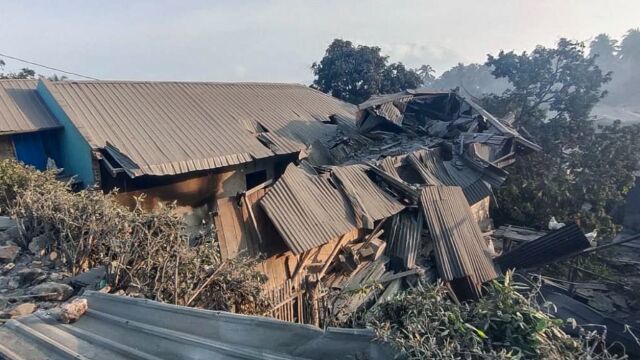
278,40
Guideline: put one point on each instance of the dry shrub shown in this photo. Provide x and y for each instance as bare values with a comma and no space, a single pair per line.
145,252
13,177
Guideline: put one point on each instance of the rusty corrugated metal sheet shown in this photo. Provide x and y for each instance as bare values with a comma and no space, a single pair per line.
543,250
21,110
307,210
458,242
169,128
374,202
403,234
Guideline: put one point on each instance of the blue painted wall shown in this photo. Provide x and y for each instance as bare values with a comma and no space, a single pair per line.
75,152
30,149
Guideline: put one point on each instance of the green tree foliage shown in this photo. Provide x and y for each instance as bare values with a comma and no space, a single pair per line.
24,73
584,170
354,73
507,323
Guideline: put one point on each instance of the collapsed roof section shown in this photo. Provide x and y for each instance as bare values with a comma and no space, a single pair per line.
309,210
439,114
459,246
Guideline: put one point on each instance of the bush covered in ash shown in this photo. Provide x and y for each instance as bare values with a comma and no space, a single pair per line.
145,252
507,323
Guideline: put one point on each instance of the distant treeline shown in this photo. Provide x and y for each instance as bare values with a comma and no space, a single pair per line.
620,57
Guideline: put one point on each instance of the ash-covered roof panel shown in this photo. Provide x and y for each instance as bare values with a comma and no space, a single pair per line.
307,210
167,128
371,198
21,109
119,327
458,242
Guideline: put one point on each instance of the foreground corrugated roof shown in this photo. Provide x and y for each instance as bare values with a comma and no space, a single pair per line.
458,242
21,110
164,128
307,210
118,327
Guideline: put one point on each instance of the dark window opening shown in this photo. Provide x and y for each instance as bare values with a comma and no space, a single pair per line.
256,178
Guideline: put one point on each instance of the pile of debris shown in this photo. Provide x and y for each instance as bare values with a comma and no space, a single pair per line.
30,281
415,181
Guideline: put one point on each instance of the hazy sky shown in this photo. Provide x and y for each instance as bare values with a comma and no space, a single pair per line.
278,40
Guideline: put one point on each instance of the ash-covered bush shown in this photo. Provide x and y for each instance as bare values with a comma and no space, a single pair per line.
148,253
424,323
13,177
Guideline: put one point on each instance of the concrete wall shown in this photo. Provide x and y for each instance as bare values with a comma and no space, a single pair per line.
75,152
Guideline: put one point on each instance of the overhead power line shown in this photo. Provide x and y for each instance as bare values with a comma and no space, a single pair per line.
47,67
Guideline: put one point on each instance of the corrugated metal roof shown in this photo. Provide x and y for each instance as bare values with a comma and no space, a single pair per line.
169,128
403,234
307,210
364,194
458,242
543,250
118,327
500,126
21,109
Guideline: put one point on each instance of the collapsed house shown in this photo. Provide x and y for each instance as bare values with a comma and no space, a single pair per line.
333,198
404,196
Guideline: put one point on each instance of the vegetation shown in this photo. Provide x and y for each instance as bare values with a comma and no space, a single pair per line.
623,60
24,73
148,253
355,73
584,171
507,323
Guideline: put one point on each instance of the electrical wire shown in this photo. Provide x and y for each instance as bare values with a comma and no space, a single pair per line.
47,67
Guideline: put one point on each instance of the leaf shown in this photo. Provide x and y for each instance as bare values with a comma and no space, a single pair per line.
477,331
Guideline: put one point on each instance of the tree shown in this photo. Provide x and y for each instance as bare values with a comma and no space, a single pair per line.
354,73
25,73
582,172
426,72
606,49
475,79
560,80
630,46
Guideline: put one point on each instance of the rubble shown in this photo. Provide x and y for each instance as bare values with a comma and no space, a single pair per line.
71,311
23,309
51,291
6,223
402,199
8,253
39,245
